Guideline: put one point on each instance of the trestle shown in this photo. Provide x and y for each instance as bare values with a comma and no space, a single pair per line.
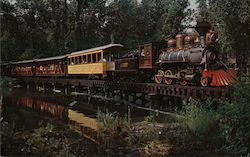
130,92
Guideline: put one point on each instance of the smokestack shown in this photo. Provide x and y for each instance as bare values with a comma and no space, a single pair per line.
202,27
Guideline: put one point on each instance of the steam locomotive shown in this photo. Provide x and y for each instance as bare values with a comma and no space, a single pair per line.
186,60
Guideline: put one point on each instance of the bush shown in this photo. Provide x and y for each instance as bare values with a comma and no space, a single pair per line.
5,81
234,120
202,125
115,131
112,129
218,126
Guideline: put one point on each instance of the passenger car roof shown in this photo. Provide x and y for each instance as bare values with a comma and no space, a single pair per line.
51,58
97,48
25,61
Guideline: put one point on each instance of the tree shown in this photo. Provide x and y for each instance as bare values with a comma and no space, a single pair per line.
202,8
174,18
9,31
42,28
232,21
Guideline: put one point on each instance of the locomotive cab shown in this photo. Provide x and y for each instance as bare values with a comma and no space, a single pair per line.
149,53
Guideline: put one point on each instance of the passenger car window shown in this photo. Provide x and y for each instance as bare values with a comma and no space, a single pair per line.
80,59
89,58
84,59
94,57
76,60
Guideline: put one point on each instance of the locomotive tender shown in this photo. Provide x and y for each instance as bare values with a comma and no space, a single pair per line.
184,60
139,65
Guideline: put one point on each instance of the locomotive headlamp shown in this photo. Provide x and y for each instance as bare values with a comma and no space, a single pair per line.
211,56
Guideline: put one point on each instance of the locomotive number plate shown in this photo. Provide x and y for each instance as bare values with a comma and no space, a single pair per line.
123,65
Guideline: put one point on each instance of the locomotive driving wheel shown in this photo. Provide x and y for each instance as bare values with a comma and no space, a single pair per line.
182,80
204,81
159,77
168,81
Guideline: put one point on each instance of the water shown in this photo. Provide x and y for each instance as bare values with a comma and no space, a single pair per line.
80,116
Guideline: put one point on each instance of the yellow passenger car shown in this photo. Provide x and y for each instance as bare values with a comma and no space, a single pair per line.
97,61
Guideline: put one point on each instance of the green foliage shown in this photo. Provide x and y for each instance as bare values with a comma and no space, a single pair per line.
150,118
5,81
174,17
228,17
38,28
220,127
112,123
234,120
115,131
47,138
109,122
7,131
112,129
201,121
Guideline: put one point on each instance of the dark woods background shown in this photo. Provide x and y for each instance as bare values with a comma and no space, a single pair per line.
43,28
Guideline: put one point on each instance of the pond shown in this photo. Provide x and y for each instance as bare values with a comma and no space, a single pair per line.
29,108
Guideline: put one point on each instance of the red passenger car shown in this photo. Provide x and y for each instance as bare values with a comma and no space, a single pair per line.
23,68
52,66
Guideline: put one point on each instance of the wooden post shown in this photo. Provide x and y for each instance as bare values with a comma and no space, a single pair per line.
88,91
143,99
66,89
54,87
134,98
44,88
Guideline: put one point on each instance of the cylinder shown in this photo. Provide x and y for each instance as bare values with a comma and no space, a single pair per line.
179,41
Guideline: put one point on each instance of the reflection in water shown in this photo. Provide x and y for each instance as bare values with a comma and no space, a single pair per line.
80,122
82,119
58,111
55,110
83,124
